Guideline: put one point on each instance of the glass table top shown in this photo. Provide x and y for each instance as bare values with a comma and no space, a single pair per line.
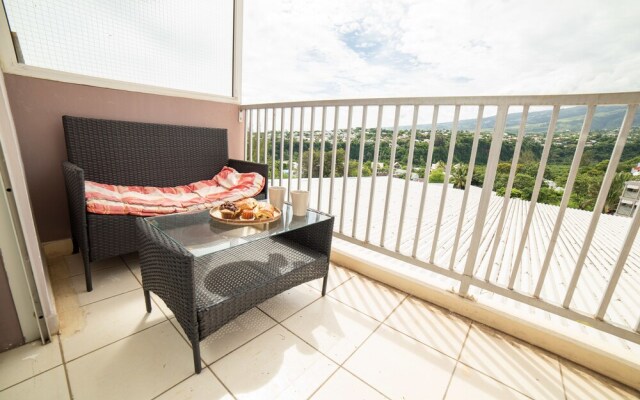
199,234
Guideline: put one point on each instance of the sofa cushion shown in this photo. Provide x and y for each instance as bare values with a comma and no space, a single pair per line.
229,184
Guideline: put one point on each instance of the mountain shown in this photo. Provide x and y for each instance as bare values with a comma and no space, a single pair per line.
569,119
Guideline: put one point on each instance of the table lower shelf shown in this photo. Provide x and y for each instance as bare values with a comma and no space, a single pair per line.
233,281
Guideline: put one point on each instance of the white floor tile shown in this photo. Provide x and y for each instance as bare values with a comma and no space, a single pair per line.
468,383
51,385
332,327
138,367
287,303
107,321
431,325
201,386
337,275
106,283
26,361
233,335
368,296
580,383
513,363
276,364
401,367
343,385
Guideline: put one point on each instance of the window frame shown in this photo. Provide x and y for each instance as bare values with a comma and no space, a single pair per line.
10,65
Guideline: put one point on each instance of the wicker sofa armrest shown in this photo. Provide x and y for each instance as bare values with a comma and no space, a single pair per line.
167,271
248,166
74,182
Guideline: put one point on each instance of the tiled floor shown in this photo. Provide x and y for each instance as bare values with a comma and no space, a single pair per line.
362,341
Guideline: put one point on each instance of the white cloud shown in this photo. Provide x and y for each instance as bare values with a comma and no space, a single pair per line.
325,49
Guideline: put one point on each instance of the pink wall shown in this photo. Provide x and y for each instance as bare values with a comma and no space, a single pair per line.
38,106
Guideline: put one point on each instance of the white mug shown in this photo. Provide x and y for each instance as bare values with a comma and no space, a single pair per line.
276,196
300,202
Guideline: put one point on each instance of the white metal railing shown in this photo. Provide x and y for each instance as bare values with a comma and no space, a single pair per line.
496,244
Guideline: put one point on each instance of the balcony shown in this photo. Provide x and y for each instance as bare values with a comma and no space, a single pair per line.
452,275
364,339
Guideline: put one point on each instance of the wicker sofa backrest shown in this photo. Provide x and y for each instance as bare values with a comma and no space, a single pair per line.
145,154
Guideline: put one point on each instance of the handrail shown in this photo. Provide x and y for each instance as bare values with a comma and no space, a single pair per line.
511,100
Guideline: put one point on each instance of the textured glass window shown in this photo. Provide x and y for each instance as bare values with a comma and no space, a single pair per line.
184,45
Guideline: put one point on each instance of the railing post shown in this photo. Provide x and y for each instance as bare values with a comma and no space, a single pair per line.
258,135
251,135
266,136
597,210
290,165
534,196
273,147
281,145
465,196
407,177
311,149
374,172
485,198
363,138
392,160
333,156
345,173
445,184
507,192
300,148
321,172
246,134
566,196
425,182
617,271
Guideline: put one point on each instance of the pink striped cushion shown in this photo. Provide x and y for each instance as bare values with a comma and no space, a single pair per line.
229,184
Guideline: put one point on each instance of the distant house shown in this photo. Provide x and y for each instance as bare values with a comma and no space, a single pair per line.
629,200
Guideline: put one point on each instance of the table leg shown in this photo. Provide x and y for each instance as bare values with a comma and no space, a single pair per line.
147,300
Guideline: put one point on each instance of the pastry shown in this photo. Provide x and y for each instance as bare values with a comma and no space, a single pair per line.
247,214
265,211
227,205
227,214
246,204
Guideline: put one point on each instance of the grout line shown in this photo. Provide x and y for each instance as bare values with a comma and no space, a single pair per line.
324,382
564,388
444,396
116,341
165,391
64,364
220,380
110,297
446,391
458,361
464,342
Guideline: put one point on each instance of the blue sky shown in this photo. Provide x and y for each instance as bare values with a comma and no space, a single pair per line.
324,49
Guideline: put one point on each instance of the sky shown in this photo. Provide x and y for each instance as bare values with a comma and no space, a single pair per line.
336,49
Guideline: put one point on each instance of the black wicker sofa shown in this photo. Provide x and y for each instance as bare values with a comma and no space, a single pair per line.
140,154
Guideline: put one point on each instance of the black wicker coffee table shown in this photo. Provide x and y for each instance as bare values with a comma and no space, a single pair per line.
208,272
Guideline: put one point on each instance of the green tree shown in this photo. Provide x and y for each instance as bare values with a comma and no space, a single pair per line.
524,183
436,176
459,176
615,191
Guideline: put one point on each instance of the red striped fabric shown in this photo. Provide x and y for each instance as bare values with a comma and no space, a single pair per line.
228,185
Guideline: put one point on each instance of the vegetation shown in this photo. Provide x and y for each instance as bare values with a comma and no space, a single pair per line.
587,184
